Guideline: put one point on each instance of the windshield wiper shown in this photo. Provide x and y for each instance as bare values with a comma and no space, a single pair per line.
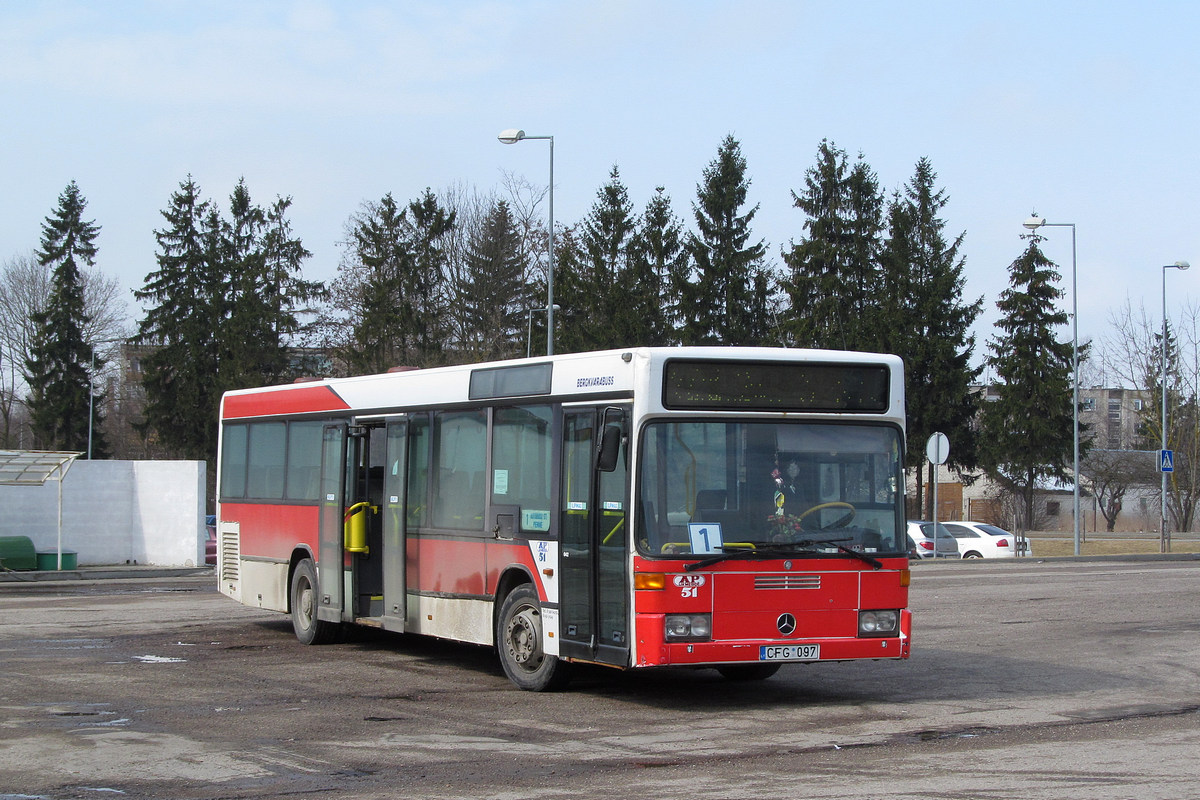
782,549
741,552
875,563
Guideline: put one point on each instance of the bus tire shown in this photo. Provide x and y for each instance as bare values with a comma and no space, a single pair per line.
748,672
519,643
308,627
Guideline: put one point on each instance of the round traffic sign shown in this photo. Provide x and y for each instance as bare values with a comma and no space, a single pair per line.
937,449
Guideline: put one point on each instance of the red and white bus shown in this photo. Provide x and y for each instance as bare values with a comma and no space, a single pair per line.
735,508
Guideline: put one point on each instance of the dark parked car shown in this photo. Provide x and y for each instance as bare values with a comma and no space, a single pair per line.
921,540
210,541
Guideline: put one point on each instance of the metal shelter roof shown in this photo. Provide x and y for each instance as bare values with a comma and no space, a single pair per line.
34,467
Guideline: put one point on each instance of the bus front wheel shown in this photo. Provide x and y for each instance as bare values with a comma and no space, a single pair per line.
309,628
519,643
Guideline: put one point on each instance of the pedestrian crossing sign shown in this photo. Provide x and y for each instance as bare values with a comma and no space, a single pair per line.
1166,460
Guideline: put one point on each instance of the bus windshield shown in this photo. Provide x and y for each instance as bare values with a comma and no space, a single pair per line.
708,487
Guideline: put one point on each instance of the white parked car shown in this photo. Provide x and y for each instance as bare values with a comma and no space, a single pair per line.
981,540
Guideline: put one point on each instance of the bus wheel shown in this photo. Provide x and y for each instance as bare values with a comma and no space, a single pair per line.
748,672
309,629
519,643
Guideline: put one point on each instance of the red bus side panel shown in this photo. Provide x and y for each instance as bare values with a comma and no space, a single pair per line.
288,400
272,531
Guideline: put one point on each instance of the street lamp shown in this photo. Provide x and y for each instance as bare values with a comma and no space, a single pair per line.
92,392
1033,223
1164,543
512,136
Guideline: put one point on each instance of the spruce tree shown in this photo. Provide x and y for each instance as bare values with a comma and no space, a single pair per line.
728,297
594,285
425,286
223,311
246,354
494,292
62,403
185,306
922,316
263,292
658,260
1027,431
833,282
392,290
285,294
371,286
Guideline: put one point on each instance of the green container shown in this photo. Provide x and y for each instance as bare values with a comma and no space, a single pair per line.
16,552
48,562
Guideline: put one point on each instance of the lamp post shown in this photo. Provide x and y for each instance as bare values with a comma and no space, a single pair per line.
91,402
92,392
512,136
1164,541
1033,223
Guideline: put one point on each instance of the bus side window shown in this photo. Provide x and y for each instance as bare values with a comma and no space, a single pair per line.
460,454
522,463
304,461
418,471
265,469
233,460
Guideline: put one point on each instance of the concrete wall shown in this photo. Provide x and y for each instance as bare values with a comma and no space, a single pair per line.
115,512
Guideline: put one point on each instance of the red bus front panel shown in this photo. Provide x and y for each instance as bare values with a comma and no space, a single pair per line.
747,606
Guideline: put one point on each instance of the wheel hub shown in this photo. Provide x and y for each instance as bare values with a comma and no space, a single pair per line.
523,641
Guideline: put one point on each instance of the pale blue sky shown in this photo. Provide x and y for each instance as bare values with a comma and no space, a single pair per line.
1084,112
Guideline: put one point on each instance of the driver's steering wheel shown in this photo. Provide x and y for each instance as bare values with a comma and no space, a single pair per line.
841,523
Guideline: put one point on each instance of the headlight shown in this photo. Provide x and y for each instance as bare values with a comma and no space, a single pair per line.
687,627
878,623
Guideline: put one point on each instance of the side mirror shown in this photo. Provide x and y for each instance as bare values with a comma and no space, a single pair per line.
610,440
610,448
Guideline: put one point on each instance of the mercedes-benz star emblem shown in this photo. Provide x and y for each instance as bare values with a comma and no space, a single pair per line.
786,624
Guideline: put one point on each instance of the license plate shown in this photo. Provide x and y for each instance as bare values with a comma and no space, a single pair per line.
789,652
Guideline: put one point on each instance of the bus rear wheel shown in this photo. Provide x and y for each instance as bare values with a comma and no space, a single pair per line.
519,643
309,628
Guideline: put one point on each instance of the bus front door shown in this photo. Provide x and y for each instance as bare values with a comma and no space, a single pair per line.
593,588
331,565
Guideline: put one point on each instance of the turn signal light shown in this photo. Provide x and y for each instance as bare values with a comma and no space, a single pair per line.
649,580
905,577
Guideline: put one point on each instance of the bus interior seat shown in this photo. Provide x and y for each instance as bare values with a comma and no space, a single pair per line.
730,520
710,499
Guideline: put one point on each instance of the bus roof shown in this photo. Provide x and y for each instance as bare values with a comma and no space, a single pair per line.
591,375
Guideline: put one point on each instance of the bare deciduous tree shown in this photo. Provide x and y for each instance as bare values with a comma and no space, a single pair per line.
24,288
1111,473
1132,353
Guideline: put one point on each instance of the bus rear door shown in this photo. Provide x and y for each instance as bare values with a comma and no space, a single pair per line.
395,532
332,555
